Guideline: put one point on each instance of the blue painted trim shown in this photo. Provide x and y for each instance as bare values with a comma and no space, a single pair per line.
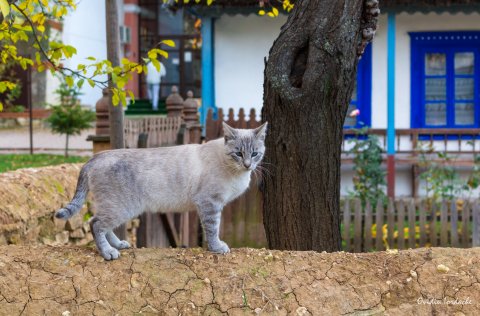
448,43
208,70
364,90
391,84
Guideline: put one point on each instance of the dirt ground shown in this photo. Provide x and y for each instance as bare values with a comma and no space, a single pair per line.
45,280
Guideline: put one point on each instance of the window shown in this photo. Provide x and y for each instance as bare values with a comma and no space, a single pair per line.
445,78
362,92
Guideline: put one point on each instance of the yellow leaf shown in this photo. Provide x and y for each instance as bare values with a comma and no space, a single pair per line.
169,43
125,61
156,64
1,106
270,14
152,54
163,53
261,12
91,83
4,7
275,11
69,81
132,96
209,2
115,99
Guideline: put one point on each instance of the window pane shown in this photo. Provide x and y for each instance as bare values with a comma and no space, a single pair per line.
464,63
435,64
436,114
351,121
435,89
464,114
464,88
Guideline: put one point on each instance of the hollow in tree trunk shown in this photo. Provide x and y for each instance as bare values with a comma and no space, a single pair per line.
309,78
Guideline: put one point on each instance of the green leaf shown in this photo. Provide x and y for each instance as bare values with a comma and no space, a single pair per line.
91,83
1,106
91,58
168,43
125,61
4,7
80,83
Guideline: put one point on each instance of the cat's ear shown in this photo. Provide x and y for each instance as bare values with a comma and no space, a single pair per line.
261,131
229,132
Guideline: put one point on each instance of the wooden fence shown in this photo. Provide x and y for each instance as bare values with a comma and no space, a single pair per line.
410,224
162,131
401,224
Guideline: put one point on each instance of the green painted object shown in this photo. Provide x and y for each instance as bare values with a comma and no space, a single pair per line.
144,107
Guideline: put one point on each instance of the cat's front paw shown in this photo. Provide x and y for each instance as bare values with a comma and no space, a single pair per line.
110,254
123,245
219,247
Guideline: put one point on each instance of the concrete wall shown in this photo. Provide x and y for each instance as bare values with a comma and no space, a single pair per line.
241,44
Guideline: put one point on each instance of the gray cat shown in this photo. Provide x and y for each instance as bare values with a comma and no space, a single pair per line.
127,182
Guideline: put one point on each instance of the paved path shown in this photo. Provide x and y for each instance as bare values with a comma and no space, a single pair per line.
18,140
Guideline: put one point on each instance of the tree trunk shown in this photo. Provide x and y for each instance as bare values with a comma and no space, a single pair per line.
309,79
115,112
66,146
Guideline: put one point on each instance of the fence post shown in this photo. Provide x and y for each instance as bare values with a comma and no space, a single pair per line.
174,103
101,139
191,118
476,225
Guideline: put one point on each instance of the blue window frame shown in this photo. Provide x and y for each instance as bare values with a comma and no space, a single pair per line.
362,93
445,79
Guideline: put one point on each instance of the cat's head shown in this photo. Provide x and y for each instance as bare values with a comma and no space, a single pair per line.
245,147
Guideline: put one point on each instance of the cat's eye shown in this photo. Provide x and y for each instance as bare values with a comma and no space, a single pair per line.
254,154
239,154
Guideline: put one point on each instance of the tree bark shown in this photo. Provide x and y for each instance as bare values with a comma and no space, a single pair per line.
115,113
308,84
66,146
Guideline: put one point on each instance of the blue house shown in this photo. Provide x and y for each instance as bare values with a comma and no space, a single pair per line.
418,80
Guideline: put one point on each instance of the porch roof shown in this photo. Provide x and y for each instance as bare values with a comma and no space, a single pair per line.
245,7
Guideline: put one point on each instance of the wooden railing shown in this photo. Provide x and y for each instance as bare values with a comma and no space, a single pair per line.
162,131
463,143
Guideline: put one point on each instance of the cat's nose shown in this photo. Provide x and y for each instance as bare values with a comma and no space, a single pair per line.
247,163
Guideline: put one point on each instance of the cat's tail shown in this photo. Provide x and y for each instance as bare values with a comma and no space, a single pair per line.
76,204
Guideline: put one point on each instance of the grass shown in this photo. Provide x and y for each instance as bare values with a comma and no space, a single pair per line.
11,162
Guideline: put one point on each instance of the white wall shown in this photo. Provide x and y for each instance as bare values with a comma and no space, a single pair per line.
241,44
85,30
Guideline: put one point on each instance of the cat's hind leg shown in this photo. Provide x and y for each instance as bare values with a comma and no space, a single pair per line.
115,242
99,234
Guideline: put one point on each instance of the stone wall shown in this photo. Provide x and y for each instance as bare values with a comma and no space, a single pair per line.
28,200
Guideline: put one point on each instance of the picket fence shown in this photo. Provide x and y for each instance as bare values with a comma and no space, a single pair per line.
410,224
